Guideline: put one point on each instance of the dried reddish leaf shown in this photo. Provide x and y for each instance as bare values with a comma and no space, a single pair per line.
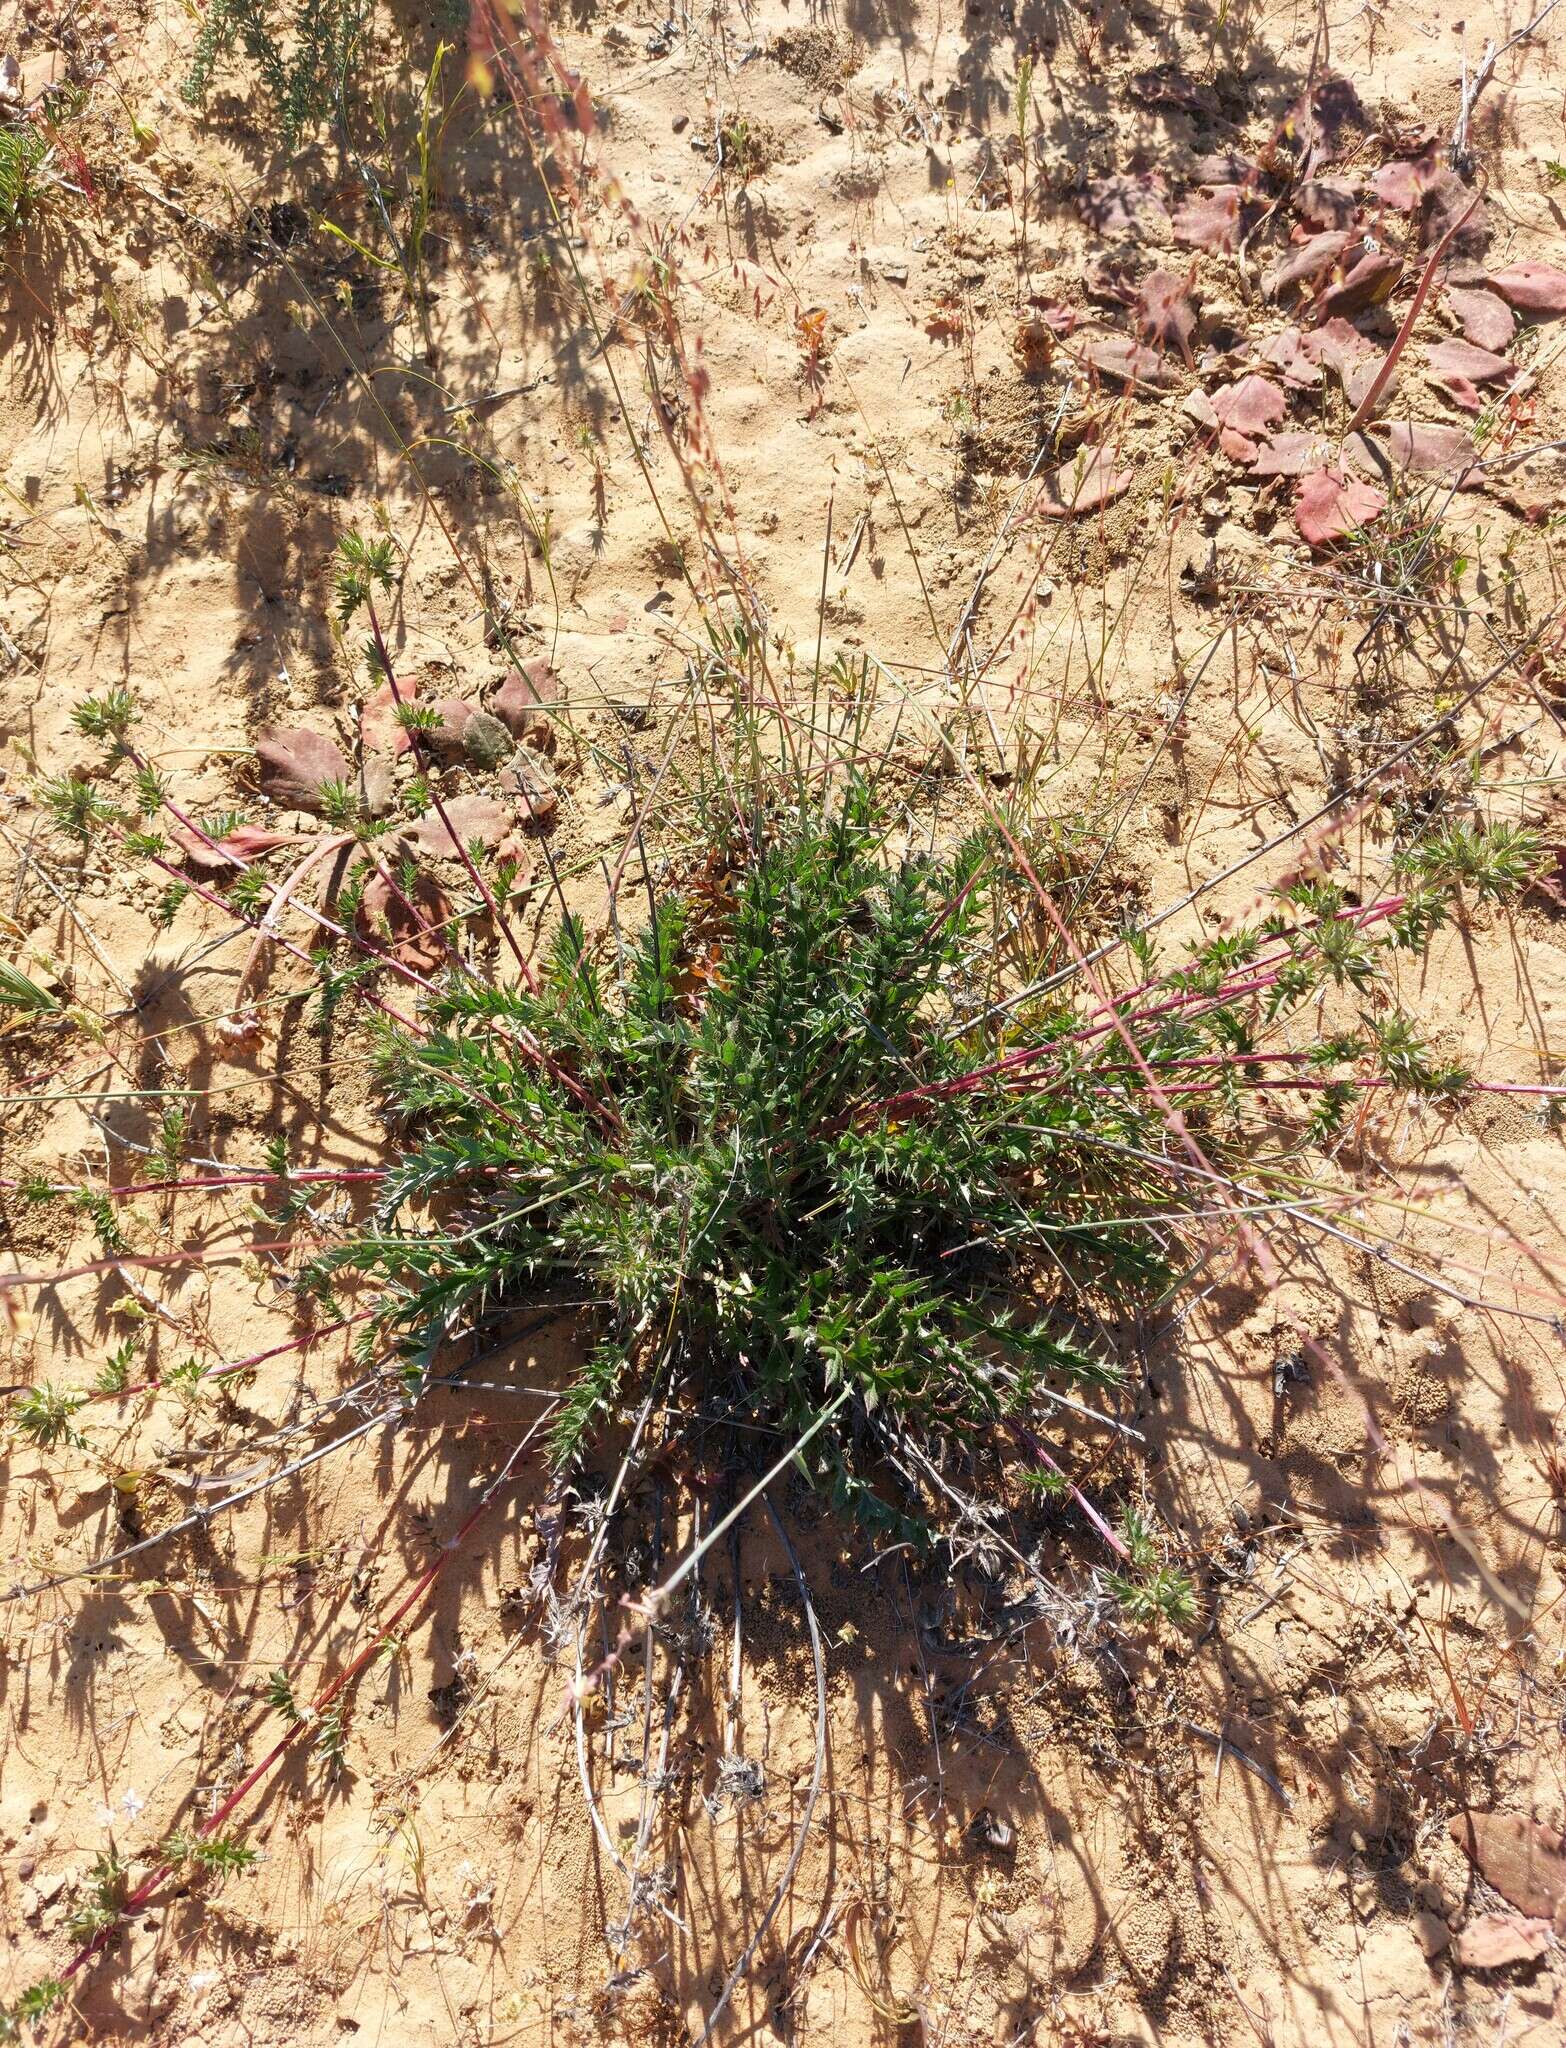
1459,369
1523,1860
1447,201
379,727
1337,346
1127,204
406,923
1367,283
1478,365
1126,361
1215,218
1329,505
1111,279
1536,288
520,701
1403,183
1164,313
245,842
1286,353
478,818
1496,1939
1225,167
1324,121
1414,448
1326,203
1304,263
296,764
1292,454
1085,485
1250,406
1487,321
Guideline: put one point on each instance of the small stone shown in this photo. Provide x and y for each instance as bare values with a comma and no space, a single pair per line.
485,741
375,785
1431,1932
446,739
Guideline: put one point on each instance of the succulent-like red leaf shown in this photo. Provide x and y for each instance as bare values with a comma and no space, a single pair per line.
1329,504
1305,262
1536,288
1164,313
1487,321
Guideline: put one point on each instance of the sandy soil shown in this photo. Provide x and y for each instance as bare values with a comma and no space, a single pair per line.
1232,1833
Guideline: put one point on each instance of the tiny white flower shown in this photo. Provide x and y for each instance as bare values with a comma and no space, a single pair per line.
132,1802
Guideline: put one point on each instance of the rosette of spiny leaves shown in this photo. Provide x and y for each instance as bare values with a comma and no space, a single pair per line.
770,1162
759,1155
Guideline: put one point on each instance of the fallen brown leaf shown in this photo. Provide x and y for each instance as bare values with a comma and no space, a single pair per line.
1126,361
1523,1860
1486,320
1305,262
1415,448
1292,454
1495,1939
1366,283
1215,218
296,765
406,925
1164,313
379,726
245,842
1086,484
473,818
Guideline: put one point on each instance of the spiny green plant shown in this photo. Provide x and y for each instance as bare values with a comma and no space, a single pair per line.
101,1905
303,52
44,1415
788,1183
220,1855
25,159
811,1168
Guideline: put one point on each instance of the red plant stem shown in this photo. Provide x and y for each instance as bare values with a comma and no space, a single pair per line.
239,1179
1037,1450
1378,383
225,1372
191,1257
421,1585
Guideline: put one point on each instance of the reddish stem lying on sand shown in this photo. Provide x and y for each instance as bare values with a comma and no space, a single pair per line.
214,1823
1378,383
